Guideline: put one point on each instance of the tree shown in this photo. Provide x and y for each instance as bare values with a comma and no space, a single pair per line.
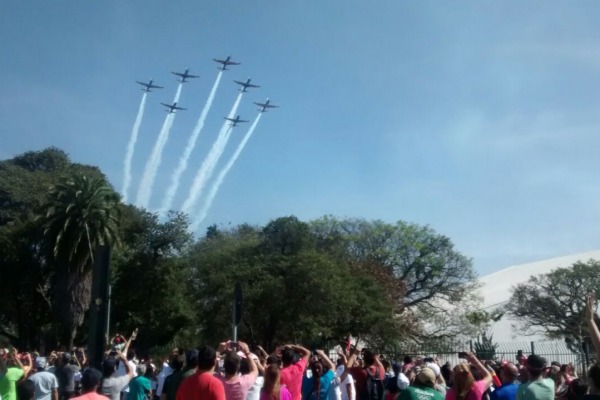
431,273
553,304
151,281
293,291
26,312
80,214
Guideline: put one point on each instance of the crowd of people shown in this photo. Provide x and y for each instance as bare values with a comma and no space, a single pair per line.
231,371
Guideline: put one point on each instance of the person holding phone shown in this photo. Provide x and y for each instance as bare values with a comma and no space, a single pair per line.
12,372
465,386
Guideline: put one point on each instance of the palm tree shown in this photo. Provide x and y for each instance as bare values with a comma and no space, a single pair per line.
80,214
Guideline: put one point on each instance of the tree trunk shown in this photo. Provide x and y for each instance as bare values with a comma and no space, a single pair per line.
72,296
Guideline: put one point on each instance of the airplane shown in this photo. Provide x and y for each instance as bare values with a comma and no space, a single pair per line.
172,107
246,85
235,121
184,75
149,86
225,63
265,105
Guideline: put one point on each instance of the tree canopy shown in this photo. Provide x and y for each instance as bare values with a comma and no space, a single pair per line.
314,281
553,304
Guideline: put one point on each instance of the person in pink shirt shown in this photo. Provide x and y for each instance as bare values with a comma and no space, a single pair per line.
272,389
292,373
237,386
465,386
90,380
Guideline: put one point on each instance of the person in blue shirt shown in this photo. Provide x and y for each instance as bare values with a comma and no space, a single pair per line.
509,375
316,386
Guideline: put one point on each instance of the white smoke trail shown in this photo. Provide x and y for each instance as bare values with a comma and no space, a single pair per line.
131,148
145,189
221,177
183,161
209,163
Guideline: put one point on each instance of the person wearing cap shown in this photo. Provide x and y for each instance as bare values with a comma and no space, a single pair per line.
440,383
423,387
45,383
236,385
465,387
538,387
90,382
509,374
65,373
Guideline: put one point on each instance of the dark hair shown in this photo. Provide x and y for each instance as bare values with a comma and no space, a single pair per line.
206,357
369,357
272,360
191,359
594,375
287,356
576,389
386,364
149,371
178,362
231,363
90,379
25,390
408,360
534,373
244,367
446,371
109,367
130,354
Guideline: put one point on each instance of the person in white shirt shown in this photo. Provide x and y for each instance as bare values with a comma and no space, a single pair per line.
121,371
45,383
346,388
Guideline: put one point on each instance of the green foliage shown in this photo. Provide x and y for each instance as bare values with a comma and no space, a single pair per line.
151,282
79,214
485,347
553,304
312,282
420,270
292,291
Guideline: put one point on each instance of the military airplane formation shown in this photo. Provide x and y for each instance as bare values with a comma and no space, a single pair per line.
183,76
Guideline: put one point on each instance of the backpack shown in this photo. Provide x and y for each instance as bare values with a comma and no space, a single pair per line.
391,384
375,387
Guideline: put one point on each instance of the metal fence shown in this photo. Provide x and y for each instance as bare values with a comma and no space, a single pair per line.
447,351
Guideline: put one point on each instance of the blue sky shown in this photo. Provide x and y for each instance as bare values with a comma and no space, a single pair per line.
478,118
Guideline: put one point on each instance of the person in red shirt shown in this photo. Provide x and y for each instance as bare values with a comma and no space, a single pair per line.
203,385
292,373
372,364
